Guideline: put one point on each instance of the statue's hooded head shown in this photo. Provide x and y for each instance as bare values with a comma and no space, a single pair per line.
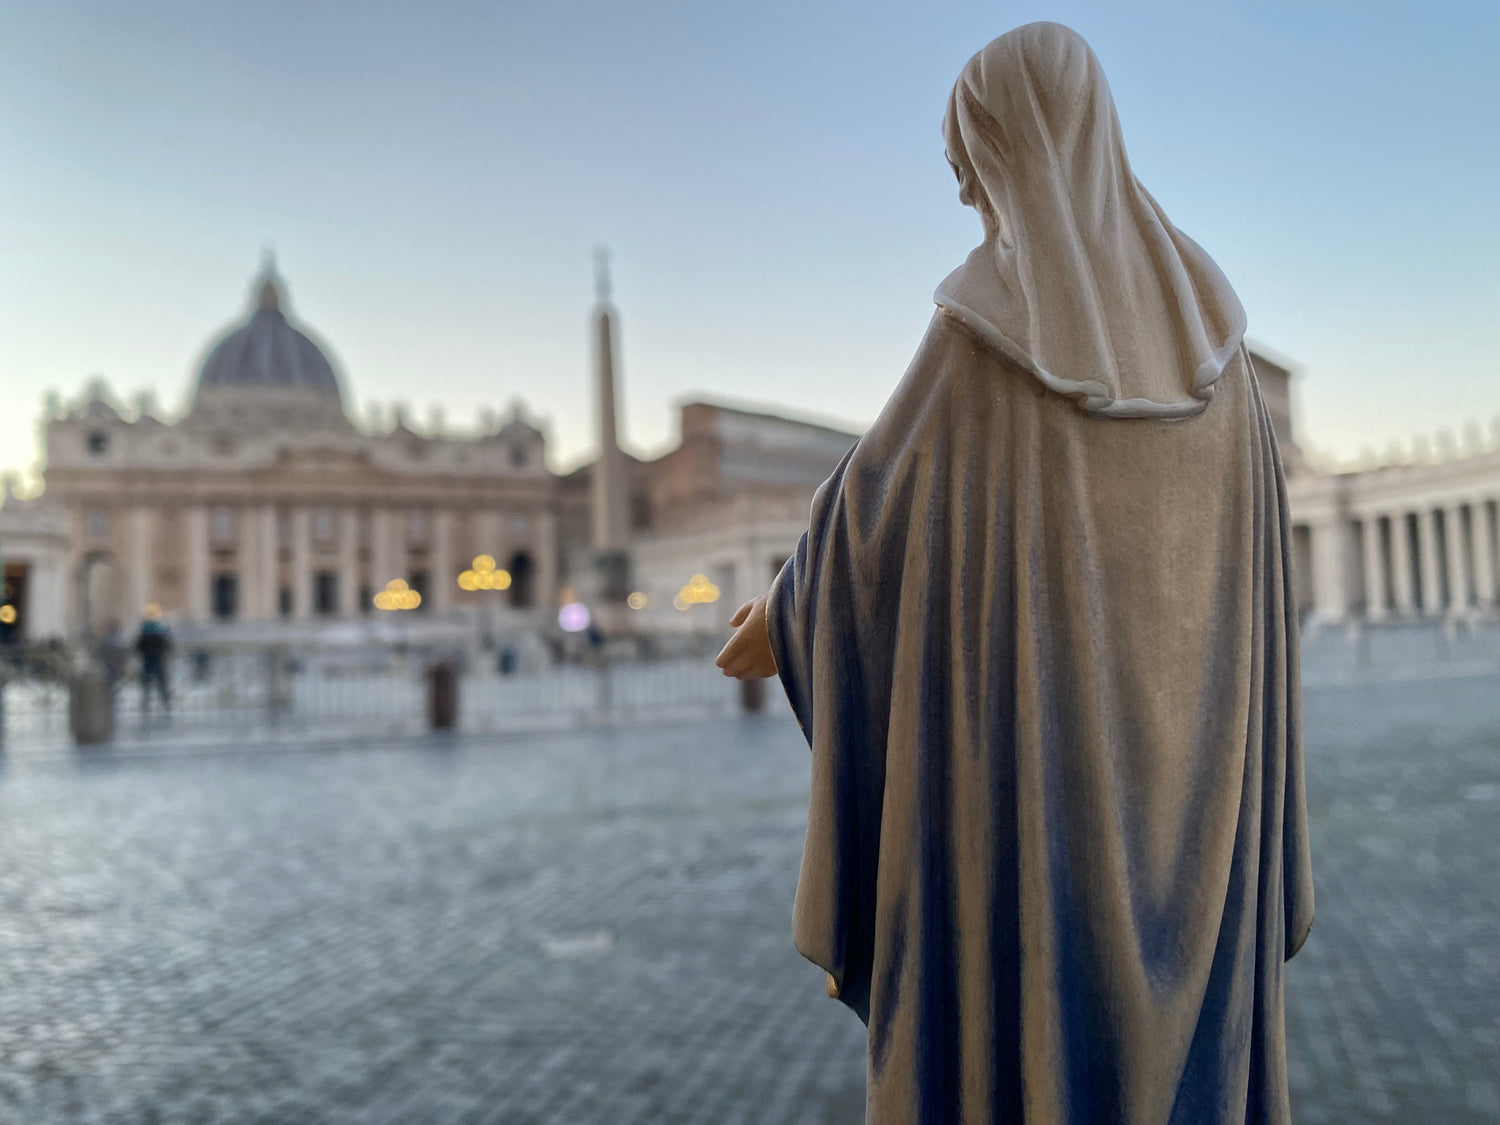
1031,110
1080,279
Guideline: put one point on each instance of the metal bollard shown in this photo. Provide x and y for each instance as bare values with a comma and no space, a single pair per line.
442,695
91,712
752,696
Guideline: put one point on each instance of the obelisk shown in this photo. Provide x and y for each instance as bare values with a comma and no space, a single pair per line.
611,526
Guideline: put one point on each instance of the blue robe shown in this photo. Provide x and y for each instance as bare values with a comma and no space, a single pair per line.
1046,663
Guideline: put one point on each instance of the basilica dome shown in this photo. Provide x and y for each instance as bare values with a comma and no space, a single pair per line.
267,352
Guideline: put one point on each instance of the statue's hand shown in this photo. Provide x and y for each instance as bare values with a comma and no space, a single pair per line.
748,654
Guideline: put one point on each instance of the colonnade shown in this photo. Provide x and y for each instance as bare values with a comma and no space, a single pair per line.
1403,561
301,561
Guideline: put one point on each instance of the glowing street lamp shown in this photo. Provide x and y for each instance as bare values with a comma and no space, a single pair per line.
698,591
573,617
482,575
397,595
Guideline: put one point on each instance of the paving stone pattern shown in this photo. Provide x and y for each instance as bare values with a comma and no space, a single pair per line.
1393,1005
581,928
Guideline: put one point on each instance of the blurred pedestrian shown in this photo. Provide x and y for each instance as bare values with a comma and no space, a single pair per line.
154,645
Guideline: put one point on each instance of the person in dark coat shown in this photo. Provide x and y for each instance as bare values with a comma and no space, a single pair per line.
154,645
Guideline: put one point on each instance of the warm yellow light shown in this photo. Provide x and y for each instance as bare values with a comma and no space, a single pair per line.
477,579
698,591
636,600
484,563
397,595
7,615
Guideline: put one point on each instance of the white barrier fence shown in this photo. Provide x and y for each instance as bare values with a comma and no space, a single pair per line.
273,694
255,694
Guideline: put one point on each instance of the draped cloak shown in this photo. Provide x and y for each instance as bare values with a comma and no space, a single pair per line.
1057,842
1045,656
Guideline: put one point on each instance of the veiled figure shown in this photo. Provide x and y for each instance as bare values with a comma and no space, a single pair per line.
1041,639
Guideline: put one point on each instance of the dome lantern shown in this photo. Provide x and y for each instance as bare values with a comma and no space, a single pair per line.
268,295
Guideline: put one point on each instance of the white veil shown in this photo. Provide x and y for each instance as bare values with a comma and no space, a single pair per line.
1080,280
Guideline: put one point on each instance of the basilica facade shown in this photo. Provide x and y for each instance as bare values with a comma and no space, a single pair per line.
264,506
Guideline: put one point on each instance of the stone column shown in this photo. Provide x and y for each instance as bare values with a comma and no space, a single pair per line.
1481,537
1330,592
443,574
1374,570
248,553
302,583
384,562
44,610
268,567
1406,598
1458,570
544,536
487,534
349,563
142,561
1432,582
195,573
611,517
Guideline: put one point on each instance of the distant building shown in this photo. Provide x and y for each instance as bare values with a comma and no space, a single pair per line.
727,505
1416,539
265,511
675,544
34,545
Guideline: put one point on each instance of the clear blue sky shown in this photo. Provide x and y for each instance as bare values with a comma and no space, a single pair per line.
769,176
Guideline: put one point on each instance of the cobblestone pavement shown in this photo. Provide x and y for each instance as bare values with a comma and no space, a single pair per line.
595,928
1393,1005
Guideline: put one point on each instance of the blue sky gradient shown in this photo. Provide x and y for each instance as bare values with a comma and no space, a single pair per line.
769,178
